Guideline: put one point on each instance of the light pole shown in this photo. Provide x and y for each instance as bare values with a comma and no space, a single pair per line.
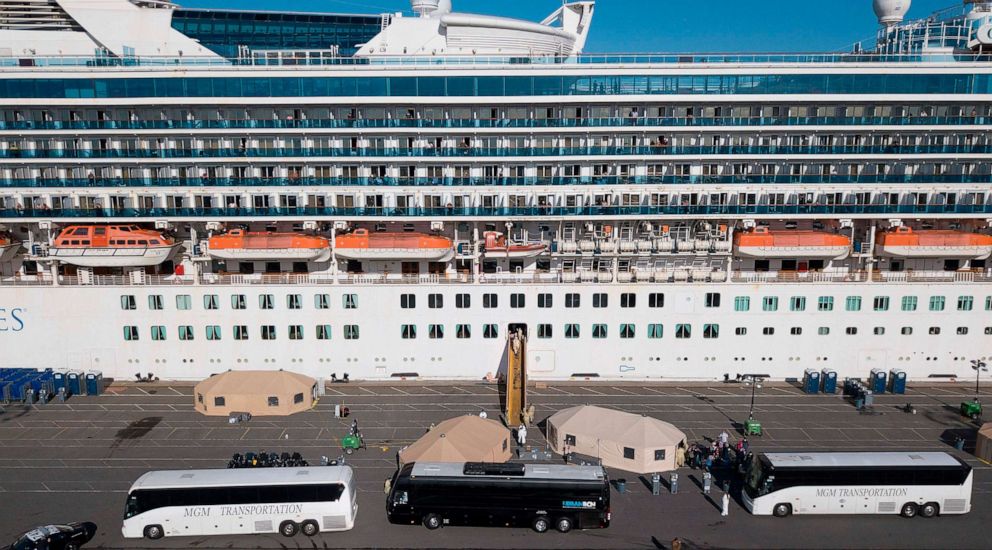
979,367
751,426
973,409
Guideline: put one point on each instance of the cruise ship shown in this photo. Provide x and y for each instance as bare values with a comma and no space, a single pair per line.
386,196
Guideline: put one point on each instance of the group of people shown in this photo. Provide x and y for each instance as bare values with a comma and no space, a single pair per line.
718,453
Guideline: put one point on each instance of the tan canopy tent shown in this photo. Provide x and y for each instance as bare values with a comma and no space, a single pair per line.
461,439
261,393
630,442
983,445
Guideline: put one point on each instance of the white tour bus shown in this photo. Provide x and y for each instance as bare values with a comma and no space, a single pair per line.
241,501
906,483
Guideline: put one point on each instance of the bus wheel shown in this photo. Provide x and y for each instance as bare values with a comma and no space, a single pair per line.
541,524
309,528
929,510
908,510
563,525
782,510
154,532
288,529
432,521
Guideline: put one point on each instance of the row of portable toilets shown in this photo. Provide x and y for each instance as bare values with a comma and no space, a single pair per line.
40,386
878,382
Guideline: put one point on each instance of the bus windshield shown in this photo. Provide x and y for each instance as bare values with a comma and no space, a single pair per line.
754,482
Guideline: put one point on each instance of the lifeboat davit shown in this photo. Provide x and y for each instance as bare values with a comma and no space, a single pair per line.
362,245
498,246
112,246
904,242
238,244
765,243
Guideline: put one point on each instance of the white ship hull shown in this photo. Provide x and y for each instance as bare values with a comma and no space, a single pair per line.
112,257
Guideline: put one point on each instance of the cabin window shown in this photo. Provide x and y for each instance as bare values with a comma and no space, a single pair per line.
599,331
879,331
768,331
656,299
881,303
128,302
683,331
130,333
988,303
463,301
219,401
628,453
909,303
545,300
712,299
199,398
155,301
853,303
268,332
571,330
408,301
796,331
323,332
408,332
435,332
240,332
628,300
210,301
238,301
158,333
544,331
349,301
711,331
627,330
742,303
600,299
294,301
962,331
966,303
490,301
797,303
351,332
769,303
185,332
655,330
213,332
322,301
988,331
851,331
463,331
825,303
435,301
273,401
934,331
184,302
517,301
130,241
937,303
572,300
907,331
823,331
295,332
570,439
298,398
266,301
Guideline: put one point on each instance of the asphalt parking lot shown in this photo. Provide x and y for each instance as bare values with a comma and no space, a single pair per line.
75,462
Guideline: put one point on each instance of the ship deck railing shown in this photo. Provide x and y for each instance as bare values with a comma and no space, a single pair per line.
302,61
550,278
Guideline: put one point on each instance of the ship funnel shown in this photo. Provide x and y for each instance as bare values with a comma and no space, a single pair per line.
891,12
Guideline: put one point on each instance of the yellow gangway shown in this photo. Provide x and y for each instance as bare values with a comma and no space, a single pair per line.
513,382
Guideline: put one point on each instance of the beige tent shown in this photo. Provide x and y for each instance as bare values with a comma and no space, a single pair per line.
461,439
630,442
983,445
261,393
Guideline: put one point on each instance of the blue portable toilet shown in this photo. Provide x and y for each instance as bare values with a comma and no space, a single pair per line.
59,380
75,383
811,381
828,377
94,382
897,381
876,381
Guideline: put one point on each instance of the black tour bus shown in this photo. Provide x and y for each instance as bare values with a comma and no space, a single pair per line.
540,496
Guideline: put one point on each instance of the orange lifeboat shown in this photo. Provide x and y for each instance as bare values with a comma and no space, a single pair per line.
362,245
8,247
497,245
904,242
238,244
112,246
765,243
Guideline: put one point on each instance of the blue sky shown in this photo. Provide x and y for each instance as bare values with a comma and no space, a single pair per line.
664,25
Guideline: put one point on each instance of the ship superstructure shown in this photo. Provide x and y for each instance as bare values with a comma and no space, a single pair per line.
390,196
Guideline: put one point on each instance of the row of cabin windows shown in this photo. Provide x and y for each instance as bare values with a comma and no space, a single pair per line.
855,303
489,331
546,300
239,301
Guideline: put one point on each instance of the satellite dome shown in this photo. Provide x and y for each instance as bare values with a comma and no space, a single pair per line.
891,12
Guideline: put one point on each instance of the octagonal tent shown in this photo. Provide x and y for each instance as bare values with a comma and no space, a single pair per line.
261,393
983,444
630,442
461,439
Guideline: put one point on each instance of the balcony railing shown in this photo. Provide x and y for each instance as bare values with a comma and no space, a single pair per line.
490,152
595,122
494,181
502,212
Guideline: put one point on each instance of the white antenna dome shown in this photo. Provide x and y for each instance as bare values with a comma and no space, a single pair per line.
891,12
424,8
